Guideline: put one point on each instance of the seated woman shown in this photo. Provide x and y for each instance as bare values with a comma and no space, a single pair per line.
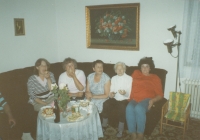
146,90
74,78
98,85
119,94
39,86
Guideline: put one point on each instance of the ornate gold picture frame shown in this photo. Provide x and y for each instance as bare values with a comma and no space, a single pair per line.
113,26
19,26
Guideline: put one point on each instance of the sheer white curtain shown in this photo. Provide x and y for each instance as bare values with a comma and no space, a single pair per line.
190,41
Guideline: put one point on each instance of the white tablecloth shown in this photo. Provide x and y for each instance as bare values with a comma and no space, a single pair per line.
87,129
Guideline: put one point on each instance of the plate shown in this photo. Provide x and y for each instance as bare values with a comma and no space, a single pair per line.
72,102
45,107
84,103
50,117
47,117
78,117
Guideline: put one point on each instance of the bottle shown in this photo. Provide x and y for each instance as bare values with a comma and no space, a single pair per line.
57,112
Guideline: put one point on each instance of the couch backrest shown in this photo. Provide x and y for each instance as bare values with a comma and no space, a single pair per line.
13,87
13,83
108,69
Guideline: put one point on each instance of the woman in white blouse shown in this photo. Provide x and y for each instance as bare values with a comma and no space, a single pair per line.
119,94
74,78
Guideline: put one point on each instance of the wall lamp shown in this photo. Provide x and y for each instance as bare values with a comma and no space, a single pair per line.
170,44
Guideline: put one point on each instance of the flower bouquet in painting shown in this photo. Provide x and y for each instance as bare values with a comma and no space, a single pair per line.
113,25
61,95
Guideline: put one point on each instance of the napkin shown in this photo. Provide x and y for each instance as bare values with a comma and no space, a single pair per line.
89,109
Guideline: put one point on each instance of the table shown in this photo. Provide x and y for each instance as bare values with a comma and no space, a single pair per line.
87,129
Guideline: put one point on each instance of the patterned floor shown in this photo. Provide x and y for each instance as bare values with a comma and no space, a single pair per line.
169,133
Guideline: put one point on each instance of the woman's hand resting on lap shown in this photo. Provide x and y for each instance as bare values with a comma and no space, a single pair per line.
150,103
112,94
122,92
88,95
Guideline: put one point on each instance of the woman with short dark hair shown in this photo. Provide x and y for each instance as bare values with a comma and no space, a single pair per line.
38,63
98,85
39,91
39,85
146,90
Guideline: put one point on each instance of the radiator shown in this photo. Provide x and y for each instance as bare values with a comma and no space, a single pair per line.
193,87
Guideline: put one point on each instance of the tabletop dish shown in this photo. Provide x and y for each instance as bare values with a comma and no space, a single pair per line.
77,116
84,103
47,112
74,117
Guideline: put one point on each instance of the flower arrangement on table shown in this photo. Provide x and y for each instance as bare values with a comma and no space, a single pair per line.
113,25
61,95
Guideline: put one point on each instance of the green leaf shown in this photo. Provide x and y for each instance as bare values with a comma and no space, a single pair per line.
62,96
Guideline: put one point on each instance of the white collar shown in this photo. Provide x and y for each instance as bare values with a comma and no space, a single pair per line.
121,75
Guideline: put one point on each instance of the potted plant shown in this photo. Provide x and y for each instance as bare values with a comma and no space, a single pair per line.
61,95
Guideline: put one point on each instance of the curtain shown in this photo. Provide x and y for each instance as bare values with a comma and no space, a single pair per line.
189,59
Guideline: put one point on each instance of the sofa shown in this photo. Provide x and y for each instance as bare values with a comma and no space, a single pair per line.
14,89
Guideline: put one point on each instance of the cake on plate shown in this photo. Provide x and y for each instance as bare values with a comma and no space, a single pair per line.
47,112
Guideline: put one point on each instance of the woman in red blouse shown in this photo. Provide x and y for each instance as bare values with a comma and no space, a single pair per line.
146,90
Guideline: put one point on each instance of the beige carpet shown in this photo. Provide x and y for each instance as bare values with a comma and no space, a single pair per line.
169,133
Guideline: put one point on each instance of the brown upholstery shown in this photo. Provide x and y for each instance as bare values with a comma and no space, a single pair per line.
14,89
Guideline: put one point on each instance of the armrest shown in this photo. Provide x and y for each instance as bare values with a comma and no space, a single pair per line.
159,104
165,108
187,112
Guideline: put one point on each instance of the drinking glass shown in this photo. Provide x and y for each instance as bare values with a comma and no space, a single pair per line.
64,113
74,98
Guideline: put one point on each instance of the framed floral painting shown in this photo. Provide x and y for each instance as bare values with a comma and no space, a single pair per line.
19,26
113,26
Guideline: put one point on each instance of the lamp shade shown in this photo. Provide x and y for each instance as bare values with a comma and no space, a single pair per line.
169,44
172,29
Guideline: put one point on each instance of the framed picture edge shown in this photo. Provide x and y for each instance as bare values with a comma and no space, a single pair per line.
22,31
112,47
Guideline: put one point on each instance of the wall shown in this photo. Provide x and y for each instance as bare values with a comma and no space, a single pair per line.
55,29
155,17
40,33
